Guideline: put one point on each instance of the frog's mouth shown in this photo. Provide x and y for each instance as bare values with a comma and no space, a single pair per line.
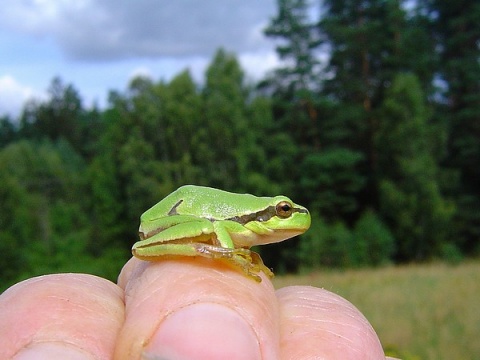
270,237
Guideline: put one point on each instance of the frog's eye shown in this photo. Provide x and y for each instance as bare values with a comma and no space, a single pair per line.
284,209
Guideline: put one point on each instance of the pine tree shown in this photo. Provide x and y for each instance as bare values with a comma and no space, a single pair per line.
456,26
8,131
410,197
370,41
224,122
299,40
295,83
57,118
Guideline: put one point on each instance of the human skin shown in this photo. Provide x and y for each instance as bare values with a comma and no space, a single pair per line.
190,308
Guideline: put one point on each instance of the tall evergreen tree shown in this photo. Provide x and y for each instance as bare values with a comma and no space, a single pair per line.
297,46
296,82
410,197
8,132
59,117
182,104
370,41
297,109
125,175
456,26
223,124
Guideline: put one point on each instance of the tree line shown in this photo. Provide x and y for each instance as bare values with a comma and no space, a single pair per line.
372,121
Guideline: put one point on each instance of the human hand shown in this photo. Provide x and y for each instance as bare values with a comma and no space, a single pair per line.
189,308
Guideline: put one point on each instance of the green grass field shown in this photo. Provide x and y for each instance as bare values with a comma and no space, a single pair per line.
419,311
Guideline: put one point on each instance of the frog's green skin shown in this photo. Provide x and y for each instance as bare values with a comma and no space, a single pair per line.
202,221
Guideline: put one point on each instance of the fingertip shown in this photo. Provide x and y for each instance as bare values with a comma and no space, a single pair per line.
158,293
83,311
325,324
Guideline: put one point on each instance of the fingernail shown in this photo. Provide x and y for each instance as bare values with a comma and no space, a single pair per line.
41,351
204,331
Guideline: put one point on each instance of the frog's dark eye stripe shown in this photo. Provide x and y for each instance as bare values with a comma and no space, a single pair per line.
283,210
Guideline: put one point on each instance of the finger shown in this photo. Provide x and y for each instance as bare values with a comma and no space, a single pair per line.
63,316
315,322
196,308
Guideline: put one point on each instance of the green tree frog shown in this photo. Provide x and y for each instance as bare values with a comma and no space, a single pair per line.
216,224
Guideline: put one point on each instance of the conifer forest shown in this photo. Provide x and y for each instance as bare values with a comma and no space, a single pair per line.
372,121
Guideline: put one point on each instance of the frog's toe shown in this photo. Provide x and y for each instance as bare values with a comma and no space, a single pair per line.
258,262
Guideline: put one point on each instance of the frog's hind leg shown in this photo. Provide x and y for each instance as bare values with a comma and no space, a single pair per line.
167,250
248,261
239,258
176,239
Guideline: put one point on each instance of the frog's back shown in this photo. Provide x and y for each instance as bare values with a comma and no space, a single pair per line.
215,204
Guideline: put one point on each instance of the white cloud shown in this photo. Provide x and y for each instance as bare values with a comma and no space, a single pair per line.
113,29
13,95
258,64
111,41
141,71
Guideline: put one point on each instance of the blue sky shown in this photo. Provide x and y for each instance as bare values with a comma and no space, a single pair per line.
99,45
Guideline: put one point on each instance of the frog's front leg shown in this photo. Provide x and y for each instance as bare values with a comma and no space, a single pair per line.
239,258
247,260
257,260
251,264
